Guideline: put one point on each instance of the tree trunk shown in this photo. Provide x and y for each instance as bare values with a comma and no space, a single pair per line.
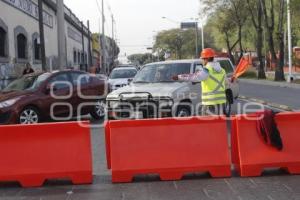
240,43
270,29
279,73
229,48
259,46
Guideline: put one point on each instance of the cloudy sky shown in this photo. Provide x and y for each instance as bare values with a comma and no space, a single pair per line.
137,21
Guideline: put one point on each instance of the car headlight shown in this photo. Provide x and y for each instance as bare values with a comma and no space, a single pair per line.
166,103
113,104
7,103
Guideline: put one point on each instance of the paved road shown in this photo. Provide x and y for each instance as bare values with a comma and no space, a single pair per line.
272,186
279,95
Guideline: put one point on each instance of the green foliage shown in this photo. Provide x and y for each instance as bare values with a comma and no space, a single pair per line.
142,59
179,43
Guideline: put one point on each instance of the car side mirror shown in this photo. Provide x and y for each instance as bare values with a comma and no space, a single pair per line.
130,80
49,87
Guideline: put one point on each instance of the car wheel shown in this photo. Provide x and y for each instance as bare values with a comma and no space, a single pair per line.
29,115
99,110
183,111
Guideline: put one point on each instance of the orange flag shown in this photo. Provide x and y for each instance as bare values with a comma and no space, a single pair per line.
242,67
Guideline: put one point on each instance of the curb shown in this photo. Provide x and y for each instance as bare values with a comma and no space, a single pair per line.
270,83
270,104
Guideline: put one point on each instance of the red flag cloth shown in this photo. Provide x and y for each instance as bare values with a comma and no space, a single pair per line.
242,67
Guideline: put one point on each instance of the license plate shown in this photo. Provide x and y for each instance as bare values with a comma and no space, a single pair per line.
138,115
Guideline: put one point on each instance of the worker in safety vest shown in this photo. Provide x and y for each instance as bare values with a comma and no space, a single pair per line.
212,78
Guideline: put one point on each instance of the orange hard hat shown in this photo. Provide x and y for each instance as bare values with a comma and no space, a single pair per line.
208,53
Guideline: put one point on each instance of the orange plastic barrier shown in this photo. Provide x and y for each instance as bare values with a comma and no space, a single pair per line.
168,147
251,155
30,154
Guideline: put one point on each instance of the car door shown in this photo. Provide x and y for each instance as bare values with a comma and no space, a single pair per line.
60,96
83,92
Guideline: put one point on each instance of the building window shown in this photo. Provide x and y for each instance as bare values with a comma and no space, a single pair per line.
2,42
21,45
37,49
85,58
78,57
74,57
82,59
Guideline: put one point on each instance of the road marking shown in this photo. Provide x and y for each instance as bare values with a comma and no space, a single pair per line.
175,185
230,186
288,188
253,182
207,193
268,104
270,197
270,107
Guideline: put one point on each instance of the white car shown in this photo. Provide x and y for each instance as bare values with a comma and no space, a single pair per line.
152,94
121,76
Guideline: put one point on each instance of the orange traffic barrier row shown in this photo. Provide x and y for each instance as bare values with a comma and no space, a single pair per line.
168,147
31,154
251,155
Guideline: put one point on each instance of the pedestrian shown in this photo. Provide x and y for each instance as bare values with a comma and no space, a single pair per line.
212,78
28,69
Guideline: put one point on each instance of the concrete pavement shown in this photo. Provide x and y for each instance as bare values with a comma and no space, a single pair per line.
275,93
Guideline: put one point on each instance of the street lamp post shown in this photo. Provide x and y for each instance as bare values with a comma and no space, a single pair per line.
289,40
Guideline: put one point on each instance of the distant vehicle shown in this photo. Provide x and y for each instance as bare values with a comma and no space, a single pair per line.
29,100
102,76
121,76
153,85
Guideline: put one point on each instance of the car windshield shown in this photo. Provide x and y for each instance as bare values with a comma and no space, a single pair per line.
155,73
30,82
123,73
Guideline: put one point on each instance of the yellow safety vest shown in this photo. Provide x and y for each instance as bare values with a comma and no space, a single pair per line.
213,88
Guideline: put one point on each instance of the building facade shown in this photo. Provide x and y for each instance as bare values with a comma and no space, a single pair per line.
20,41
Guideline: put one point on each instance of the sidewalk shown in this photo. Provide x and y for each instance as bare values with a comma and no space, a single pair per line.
271,83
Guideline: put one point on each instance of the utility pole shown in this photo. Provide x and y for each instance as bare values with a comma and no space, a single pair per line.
202,35
61,34
89,45
113,38
83,50
42,36
103,39
289,40
197,50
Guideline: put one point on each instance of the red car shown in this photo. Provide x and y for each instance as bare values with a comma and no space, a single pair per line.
52,96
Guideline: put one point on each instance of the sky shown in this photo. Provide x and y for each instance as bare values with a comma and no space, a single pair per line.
136,21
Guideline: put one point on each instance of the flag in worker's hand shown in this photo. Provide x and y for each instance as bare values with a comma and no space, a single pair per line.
242,67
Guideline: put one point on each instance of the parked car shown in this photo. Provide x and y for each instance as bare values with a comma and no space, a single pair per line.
40,96
153,85
121,76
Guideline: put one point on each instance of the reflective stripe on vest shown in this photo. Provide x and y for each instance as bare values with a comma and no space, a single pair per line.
213,89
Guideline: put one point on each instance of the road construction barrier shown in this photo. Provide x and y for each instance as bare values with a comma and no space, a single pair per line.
31,154
168,147
251,155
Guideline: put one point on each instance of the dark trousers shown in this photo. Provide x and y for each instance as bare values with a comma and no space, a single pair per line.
213,110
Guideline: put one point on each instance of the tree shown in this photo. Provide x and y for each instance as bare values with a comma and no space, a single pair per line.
142,59
255,10
269,19
231,18
179,43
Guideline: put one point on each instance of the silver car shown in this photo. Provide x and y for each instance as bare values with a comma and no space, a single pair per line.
153,93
